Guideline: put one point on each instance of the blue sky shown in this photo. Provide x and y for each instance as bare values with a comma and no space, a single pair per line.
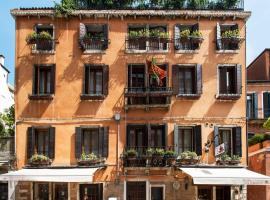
257,28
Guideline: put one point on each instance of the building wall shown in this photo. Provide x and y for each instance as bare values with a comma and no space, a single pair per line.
66,110
6,96
259,69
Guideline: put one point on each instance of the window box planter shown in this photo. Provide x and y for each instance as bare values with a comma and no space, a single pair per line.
91,162
170,157
188,158
231,40
39,161
196,40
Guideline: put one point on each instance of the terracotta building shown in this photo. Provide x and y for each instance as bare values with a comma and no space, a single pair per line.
258,87
127,85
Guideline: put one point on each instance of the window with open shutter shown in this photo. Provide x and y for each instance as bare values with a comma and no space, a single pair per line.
237,141
52,142
175,79
78,142
266,104
199,79
197,140
30,141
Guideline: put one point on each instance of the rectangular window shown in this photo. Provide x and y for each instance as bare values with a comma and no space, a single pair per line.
41,191
137,136
157,193
45,45
42,141
252,104
136,191
3,191
61,191
225,42
96,82
91,191
185,138
157,136
225,136
43,83
187,80
227,75
90,141
223,193
204,193
266,104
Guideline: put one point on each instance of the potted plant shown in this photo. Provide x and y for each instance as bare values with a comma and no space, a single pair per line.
224,159
131,154
231,36
235,160
89,159
31,38
39,160
149,154
184,35
158,156
188,158
196,37
170,157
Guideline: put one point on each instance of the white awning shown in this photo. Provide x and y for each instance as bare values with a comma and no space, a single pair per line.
226,176
51,175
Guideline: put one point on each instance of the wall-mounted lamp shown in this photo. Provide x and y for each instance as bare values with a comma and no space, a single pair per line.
117,117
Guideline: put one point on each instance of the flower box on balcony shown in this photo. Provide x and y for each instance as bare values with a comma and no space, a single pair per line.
38,160
90,160
227,160
188,158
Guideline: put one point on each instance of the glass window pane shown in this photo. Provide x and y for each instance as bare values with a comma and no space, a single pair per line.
188,82
99,82
41,82
48,87
181,82
91,83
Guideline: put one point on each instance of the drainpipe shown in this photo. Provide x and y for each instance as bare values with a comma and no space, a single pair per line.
117,118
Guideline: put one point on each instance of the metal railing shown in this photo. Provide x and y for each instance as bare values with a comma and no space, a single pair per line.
147,44
187,44
228,45
144,5
44,45
144,159
94,44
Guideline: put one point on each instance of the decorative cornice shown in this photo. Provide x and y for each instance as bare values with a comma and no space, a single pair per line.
137,13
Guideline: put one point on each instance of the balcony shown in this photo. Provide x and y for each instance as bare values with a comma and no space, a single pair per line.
94,44
6,149
148,97
148,157
146,44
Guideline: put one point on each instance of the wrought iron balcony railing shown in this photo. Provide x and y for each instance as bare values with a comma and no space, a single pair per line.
100,44
146,156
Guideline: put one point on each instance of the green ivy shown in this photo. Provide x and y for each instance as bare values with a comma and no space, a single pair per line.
65,8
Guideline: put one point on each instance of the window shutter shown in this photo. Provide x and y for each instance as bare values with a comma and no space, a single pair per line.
52,79
219,45
86,79
30,141
199,79
222,80
149,135
265,104
177,37
175,79
105,80
176,140
106,35
51,142
255,108
216,136
237,141
166,135
195,27
78,142
197,140
239,79
105,141
100,190
35,80
82,30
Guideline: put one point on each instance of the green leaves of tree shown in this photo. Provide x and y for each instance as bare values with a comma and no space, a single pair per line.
7,122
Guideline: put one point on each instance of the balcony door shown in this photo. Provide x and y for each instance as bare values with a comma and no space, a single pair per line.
136,191
137,137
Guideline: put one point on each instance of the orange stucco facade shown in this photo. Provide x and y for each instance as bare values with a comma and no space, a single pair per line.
66,110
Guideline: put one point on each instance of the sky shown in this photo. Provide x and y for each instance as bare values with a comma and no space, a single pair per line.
257,28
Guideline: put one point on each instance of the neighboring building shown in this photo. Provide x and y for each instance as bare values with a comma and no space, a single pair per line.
259,161
99,95
258,93
7,91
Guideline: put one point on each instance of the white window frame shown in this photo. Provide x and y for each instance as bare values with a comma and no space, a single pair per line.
157,186
137,180
34,50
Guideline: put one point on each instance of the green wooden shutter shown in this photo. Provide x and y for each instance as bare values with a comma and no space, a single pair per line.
218,37
266,104
199,79
175,79
106,36
197,140
78,142
176,140
237,141
238,79
216,143
52,83
105,80
35,80
255,106
149,135
105,142
51,142
30,142
177,45
166,135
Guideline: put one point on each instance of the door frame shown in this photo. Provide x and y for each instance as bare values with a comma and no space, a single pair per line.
157,186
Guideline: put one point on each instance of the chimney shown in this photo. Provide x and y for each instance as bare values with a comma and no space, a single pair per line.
2,60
